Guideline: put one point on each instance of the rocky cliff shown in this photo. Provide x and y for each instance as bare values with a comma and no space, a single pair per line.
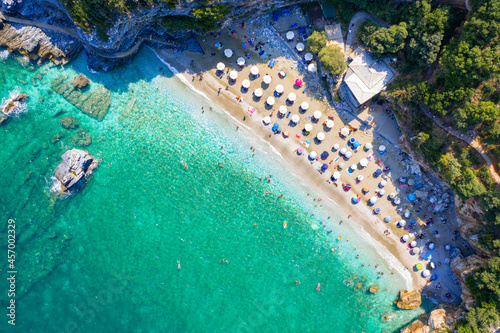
438,320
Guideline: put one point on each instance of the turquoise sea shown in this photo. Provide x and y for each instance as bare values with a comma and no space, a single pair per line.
107,258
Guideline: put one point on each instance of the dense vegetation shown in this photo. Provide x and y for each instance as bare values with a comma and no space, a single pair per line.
330,57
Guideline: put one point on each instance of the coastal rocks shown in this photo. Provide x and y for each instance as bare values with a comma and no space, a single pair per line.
76,166
94,103
80,81
438,320
461,268
82,138
69,122
373,289
13,104
409,300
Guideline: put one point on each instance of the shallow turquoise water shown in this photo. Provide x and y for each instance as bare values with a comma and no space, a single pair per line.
106,259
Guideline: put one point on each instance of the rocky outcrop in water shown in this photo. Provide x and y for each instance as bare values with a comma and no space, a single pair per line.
80,81
409,300
13,104
76,166
94,102
69,122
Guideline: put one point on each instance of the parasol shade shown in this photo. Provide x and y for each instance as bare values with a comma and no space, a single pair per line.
343,151
266,120
298,82
336,175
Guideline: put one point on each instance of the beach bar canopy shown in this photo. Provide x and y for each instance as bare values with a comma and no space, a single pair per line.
313,155
308,127
363,162
240,61
233,75
312,68
279,89
317,114
344,131
254,70
329,123
304,106
336,146
266,120
308,56
282,109
320,136
300,47
373,200
295,118
245,84
221,66
228,53
292,97
336,175
298,82
258,92
267,79
270,101
343,151
290,35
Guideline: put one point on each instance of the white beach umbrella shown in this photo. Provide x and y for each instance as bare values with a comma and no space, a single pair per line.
348,155
270,100
279,89
258,92
240,61
343,151
397,201
382,183
416,250
304,106
406,238
282,109
290,35
300,47
308,127
368,146
336,175
392,195
329,123
336,146
254,70
407,214
233,75
266,120
426,273
363,162
245,83
267,79
360,178
382,148
353,167
291,97
320,136
432,246
381,193
373,200
312,68
308,56
221,66
401,223
295,118
432,265
313,155
344,131
228,53
317,114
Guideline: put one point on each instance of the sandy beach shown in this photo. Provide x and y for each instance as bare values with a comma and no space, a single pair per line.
232,98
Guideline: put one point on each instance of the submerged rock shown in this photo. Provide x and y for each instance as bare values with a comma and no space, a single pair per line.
69,122
56,138
82,138
80,81
76,166
13,104
409,300
373,289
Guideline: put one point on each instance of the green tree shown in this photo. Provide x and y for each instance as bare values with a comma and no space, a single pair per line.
479,320
468,186
483,28
423,50
316,41
490,202
450,166
332,60
387,40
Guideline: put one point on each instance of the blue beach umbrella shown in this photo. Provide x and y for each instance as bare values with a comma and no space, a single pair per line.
411,197
275,127
324,167
378,172
355,145
387,219
376,210
324,155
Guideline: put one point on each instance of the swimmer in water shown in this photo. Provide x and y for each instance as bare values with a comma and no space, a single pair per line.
178,264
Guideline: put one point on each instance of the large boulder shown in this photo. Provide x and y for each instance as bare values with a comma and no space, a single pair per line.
409,300
76,166
80,81
373,289
438,320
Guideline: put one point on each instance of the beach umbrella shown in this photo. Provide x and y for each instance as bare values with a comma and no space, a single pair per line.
336,146
233,75
291,97
366,189
373,200
324,155
270,101
413,244
447,247
258,92
267,79
376,211
317,114
378,172
245,84
401,223
295,118
254,70
382,184
348,155
426,273
266,120
407,214
387,219
353,167
368,146
290,35
397,201
308,56
320,136
308,127
240,61
312,68
434,277
415,250
411,197
411,182
432,246
381,193
340,166
324,167
405,238
351,140
300,151
313,155
298,82
282,109
279,89
336,175
419,266
343,151
221,66
356,199
381,148
304,106
228,53
432,265
363,162
329,123
300,47
392,196
344,131
359,178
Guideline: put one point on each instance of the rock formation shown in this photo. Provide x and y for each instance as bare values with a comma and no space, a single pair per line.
76,166
438,320
13,104
461,268
80,81
69,122
373,289
409,300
